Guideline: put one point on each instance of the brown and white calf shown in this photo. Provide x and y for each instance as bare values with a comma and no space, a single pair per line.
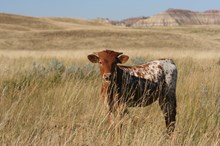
131,86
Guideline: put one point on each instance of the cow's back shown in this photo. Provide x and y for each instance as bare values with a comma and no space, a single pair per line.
145,81
156,71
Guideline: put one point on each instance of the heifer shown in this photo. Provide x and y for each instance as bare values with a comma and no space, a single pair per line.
131,86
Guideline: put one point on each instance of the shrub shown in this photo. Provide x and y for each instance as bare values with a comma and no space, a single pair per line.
138,60
82,71
218,61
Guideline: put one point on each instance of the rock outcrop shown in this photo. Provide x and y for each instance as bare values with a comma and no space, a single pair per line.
177,17
133,20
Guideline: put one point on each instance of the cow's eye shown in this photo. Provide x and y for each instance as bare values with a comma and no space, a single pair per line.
100,62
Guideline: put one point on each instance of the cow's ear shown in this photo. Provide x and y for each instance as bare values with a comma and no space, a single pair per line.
93,58
123,58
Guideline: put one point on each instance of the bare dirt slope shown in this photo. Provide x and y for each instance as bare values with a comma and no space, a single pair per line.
177,17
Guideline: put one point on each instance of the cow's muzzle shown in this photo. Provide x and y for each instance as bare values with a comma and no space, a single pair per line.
107,77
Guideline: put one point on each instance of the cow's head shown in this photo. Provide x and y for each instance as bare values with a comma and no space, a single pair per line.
107,60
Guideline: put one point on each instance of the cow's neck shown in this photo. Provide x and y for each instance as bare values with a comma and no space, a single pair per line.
119,75
116,82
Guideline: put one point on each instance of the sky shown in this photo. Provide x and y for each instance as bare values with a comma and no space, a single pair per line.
91,9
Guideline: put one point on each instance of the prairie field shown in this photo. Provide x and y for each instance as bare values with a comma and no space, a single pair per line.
49,91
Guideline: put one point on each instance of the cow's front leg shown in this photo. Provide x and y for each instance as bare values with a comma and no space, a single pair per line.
117,112
121,110
111,119
111,114
108,103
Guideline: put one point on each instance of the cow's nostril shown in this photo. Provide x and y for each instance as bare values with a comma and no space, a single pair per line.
107,76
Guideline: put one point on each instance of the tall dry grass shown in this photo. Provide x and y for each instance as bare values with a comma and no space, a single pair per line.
55,101
49,95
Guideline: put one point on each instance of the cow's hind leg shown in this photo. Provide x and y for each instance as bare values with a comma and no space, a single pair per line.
168,106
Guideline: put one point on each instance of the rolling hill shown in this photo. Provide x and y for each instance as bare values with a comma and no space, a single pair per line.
37,33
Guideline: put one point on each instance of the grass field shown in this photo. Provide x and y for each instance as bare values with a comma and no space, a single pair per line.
49,92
